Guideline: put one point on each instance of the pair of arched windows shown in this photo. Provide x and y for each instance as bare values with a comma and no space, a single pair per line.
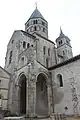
24,45
60,81
35,22
60,42
44,50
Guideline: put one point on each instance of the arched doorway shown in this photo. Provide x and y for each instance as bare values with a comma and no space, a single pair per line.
41,96
23,94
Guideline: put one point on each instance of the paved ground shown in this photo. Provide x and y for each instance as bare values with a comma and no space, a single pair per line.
73,118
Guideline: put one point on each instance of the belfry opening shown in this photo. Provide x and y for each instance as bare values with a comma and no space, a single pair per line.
41,95
23,94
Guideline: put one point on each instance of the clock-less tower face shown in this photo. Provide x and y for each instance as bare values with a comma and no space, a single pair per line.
37,23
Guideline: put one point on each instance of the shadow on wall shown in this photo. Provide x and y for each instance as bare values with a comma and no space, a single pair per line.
57,95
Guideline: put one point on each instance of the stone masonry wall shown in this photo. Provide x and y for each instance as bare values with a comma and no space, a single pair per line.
67,98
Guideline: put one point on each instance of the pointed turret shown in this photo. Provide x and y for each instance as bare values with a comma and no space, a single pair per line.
36,23
61,32
36,14
64,48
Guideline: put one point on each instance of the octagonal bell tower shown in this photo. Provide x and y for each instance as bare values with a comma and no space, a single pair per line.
64,48
37,23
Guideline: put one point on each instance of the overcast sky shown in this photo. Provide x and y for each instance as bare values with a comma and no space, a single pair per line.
64,13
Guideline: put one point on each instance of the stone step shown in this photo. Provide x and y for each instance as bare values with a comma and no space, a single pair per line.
52,117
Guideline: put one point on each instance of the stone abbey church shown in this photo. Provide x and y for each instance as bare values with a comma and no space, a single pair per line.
39,77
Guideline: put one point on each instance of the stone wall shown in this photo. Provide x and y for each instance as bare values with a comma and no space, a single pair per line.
4,89
67,98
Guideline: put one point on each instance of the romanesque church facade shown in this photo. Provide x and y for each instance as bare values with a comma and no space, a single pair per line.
42,78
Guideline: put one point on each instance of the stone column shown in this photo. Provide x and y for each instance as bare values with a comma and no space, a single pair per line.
34,104
27,112
31,98
50,95
49,100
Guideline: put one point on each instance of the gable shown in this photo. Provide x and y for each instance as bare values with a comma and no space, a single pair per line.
4,73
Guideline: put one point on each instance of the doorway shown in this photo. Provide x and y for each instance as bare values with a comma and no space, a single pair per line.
23,94
41,95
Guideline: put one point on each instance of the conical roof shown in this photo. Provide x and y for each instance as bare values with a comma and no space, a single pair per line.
62,35
36,14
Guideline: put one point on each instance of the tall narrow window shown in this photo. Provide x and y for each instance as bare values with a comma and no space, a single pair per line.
22,61
59,77
0,96
61,41
28,45
10,58
0,83
43,29
24,44
47,62
35,28
43,23
49,51
27,30
28,25
36,21
44,50
63,53
12,41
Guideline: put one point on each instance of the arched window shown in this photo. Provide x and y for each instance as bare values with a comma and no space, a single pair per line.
60,81
12,41
47,62
44,50
0,96
31,45
22,61
36,21
63,53
49,51
27,30
28,45
43,23
61,41
24,44
10,57
35,28
43,29
28,25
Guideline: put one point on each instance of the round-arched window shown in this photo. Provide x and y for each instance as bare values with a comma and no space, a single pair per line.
60,81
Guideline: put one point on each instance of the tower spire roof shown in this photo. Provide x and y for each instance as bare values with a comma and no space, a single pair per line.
62,35
36,4
61,32
36,14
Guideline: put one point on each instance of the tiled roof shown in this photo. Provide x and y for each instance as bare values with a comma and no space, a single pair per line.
36,14
65,62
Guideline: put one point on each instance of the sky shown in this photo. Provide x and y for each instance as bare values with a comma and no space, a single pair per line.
64,13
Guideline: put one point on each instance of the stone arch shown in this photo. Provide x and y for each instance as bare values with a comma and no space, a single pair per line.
41,95
44,74
22,93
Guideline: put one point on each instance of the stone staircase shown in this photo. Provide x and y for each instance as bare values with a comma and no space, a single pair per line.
15,118
52,117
